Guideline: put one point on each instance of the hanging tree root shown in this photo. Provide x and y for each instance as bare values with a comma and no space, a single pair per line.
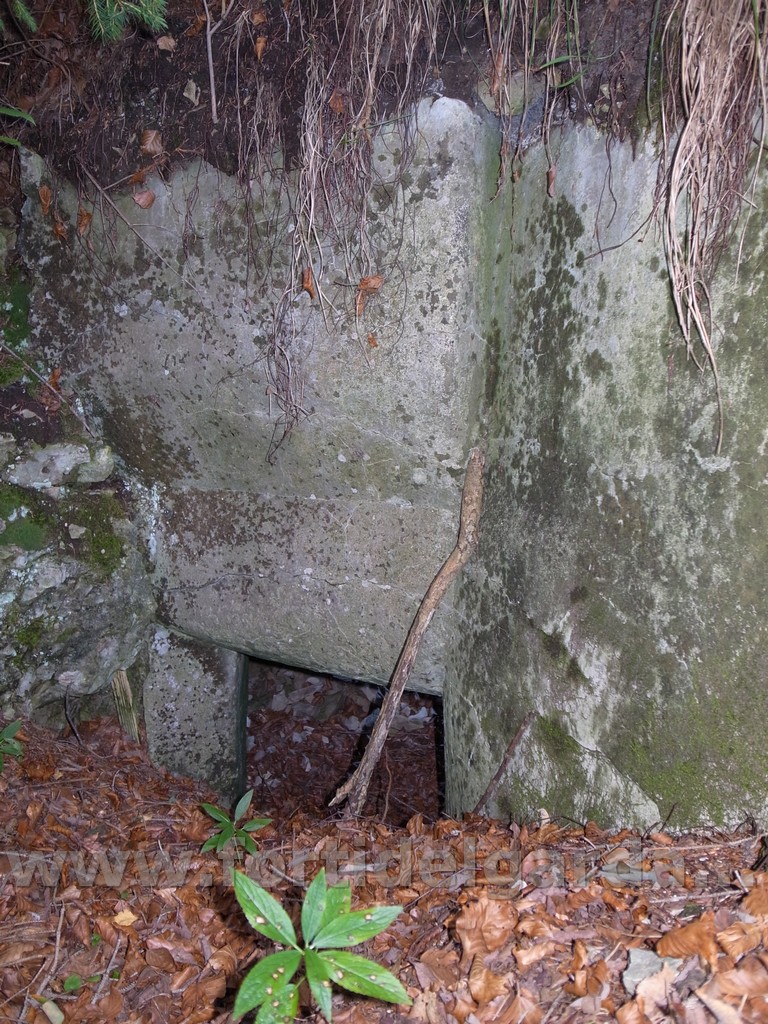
355,789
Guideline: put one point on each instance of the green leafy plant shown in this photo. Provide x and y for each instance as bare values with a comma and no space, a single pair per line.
9,140
21,14
229,830
73,982
9,747
327,923
109,18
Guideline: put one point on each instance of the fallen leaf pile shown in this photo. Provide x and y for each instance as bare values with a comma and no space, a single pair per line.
108,911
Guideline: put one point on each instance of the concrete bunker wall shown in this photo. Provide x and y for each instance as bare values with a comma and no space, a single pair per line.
614,593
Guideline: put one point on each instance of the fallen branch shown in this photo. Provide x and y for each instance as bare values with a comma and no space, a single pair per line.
355,789
493,785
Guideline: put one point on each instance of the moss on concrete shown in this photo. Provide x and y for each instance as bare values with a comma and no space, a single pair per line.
28,518
14,324
33,521
100,546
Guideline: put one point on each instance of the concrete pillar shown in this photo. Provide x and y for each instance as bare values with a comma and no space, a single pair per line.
195,702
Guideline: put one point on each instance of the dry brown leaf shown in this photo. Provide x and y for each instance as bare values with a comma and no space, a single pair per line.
336,102
124,918
140,176
756,900
161,959
428,1009
260,46
698,937
372,340
84,220
180,979
371,284
367,286
631,1013
538,927
107,931
111,1004
532,955
59,228
723,1012
484,926
15,951
522,1010
196,27
750,978
740,938
166,43
308,282
661,839
498,74
462,1005
225,959
258,17
151,143
592,985
551,176
439,968
593,893
144,199
485,984
46,198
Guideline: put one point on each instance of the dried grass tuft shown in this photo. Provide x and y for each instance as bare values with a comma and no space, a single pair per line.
713,113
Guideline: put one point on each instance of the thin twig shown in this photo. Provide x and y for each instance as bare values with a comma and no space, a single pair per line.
493,785
105,975
355,789
70,720
116,209
57,394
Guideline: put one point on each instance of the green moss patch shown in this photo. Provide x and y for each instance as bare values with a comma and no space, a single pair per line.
14,325
32,521
26,524
99,545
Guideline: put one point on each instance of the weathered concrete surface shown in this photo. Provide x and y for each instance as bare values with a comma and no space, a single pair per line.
195,710
321,559
619,592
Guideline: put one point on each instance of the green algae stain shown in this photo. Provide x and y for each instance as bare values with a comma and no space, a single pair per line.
14,325
27,522
99,546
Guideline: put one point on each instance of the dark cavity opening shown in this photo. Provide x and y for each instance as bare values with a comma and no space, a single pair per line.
306,732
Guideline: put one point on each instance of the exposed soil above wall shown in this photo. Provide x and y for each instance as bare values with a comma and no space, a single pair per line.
111,113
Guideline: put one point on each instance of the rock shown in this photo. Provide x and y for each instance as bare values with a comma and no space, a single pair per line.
100,467
41,468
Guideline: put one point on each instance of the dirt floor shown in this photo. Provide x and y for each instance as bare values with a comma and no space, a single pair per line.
108,910
305,732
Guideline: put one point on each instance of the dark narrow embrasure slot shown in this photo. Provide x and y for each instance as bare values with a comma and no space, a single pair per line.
306,732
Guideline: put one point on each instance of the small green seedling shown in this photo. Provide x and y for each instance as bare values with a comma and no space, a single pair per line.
327,923
229,831
73,982
9,747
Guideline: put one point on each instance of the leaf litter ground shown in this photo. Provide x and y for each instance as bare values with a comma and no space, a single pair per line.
109,911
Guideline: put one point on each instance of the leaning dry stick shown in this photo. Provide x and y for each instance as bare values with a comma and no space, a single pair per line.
493,785
355,789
